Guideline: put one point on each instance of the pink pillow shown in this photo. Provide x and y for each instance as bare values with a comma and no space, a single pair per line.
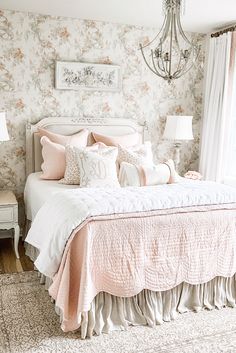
78,140
54,160
122,140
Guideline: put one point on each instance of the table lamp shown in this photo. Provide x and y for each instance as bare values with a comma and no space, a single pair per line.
3,128
178,129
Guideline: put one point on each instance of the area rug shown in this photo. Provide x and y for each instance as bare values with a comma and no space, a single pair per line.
29,324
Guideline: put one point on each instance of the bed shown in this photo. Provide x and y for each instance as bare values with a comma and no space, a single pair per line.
134,256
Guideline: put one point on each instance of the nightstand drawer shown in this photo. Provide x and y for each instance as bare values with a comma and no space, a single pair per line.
6,214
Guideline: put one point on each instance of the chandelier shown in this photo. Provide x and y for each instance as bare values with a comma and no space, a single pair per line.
170,54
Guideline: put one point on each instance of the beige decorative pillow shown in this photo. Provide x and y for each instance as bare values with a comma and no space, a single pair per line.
137,155
72,171
98,168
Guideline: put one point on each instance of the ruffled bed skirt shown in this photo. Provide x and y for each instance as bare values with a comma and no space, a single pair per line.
109,313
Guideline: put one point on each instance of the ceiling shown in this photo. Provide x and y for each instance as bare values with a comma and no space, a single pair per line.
200,15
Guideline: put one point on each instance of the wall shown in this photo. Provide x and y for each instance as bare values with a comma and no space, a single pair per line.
30,44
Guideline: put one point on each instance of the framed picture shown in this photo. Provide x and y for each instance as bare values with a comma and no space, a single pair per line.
78,75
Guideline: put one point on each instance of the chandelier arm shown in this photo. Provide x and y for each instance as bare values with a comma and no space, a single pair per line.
189,68
184,72
182,32
163,64
192,64
167,68
179,62
183,67
153,40
171,42
144,58
156,69
180,72
178,69
163,67
176,37
160,60
194,54
165,30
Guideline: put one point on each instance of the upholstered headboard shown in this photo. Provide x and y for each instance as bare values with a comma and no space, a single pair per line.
69,126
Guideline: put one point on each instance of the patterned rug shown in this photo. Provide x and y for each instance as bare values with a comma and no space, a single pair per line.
29,324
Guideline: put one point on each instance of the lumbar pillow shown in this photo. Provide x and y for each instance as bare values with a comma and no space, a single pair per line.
123,140
98,168
72,172
78,140
54,162
137,155
137,175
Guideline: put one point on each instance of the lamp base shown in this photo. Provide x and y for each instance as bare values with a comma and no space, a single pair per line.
177,146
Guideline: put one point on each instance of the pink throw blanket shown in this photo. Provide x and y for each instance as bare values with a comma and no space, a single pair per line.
124,254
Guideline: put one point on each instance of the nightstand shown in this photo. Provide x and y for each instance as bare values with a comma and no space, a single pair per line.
9,216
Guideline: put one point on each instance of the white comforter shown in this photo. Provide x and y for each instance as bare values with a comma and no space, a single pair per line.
67,210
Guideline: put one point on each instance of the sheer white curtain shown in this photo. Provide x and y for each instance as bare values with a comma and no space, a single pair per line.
216,117
230,171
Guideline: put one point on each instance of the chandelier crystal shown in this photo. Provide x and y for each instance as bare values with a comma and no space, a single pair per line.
170,54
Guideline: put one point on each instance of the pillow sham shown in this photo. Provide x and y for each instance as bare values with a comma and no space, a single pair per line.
134,175
98,168
123,140
137,155
72,172
54,162
78,140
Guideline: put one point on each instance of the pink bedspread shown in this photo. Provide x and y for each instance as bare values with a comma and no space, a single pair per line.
124,254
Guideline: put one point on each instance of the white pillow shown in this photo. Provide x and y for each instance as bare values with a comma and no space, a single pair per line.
134,175
98,168
72,171
137,155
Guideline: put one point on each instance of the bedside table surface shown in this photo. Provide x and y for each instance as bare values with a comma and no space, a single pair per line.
7,198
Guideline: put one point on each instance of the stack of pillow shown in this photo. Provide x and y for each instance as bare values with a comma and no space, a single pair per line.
112,161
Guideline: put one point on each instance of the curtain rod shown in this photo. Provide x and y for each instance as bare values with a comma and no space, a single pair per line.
226,30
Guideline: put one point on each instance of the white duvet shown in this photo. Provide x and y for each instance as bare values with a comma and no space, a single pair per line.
66,210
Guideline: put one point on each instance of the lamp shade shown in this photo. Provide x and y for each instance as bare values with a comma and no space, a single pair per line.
3,127
178,128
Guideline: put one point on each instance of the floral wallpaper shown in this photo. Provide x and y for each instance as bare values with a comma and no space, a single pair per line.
30,44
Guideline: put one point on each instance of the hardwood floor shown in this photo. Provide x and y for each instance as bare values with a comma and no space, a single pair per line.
8,261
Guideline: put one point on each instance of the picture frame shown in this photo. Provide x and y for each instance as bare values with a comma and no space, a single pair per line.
79,75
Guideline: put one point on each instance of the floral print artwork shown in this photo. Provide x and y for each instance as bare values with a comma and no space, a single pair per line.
88,76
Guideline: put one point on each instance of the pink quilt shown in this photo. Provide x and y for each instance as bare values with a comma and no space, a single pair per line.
124,254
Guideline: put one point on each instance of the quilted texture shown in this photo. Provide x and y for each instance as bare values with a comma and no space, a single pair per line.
58,217
123,254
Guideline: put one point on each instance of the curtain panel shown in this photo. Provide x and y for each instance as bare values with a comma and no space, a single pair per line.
217,107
